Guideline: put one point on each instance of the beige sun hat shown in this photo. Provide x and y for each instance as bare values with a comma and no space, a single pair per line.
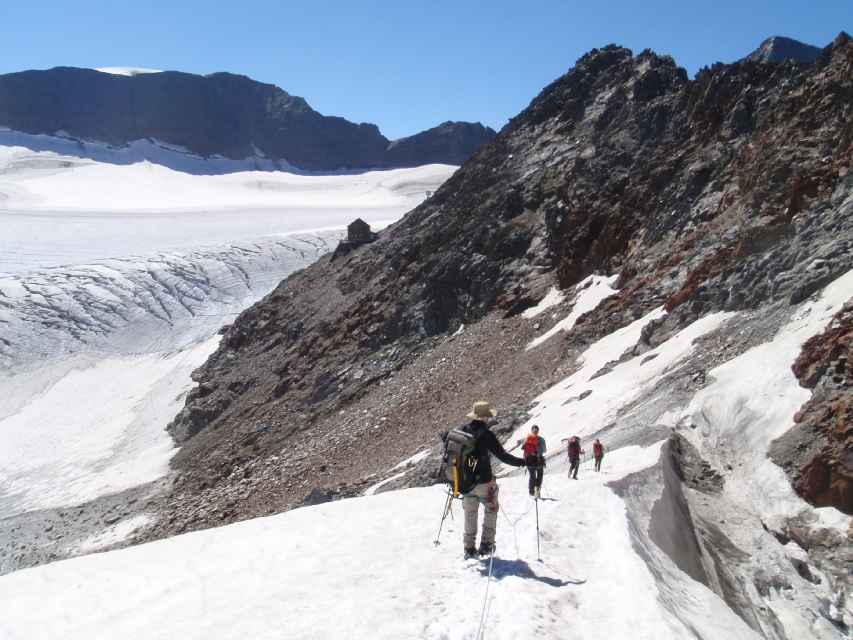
482,411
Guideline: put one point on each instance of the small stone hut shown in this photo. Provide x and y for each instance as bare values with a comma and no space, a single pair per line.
358,232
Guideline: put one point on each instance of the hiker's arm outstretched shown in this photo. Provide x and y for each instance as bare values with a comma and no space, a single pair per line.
500,453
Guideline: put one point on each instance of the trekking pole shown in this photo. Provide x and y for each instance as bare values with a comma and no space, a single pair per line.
538,555
443,517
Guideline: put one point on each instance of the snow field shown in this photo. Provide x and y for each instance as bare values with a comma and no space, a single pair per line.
559,411
99,429
46,181
117,279
61,150
366,568
113,534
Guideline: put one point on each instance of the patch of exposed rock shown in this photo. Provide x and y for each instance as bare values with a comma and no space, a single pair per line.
818,451
691,468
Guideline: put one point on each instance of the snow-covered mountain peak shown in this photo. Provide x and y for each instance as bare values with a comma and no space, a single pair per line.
127,71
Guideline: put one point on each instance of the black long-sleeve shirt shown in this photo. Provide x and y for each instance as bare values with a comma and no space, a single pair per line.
487,443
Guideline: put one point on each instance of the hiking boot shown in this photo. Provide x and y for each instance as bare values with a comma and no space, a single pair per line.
470,553
487,548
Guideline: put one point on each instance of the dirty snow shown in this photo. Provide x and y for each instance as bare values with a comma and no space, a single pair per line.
589,292
375,487
752,401
420,455
114,534
553,297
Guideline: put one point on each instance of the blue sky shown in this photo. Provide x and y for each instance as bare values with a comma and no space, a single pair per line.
405,66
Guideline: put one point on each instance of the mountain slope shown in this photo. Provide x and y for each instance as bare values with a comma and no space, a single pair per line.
730,193
219,114
623,165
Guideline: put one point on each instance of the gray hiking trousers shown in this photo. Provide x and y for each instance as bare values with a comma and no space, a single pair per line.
486,494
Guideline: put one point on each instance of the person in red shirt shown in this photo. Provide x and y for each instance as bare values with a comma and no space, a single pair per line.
597,453
574,452
534,456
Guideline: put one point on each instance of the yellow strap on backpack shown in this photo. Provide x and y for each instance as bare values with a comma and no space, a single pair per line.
455,480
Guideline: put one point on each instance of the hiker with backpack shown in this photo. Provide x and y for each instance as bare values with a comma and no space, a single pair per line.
597,453
574,454
534,457
469,470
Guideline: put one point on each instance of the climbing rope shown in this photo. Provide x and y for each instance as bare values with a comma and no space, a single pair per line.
514,524
480,635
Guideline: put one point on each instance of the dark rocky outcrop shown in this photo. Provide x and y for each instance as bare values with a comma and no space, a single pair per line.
690,468
818,452
728,191
219,114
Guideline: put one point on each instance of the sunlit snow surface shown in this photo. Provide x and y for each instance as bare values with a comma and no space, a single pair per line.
114,280
367,568
97,430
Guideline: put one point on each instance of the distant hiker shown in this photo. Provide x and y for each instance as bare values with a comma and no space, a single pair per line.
534,457
574,451
469,470
597,453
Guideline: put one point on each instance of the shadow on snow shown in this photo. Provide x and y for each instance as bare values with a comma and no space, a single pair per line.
520,569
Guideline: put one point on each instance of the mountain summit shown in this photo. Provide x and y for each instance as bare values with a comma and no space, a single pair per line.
219,114
779,49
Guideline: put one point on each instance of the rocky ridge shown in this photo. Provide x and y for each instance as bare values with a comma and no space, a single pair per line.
221,114
731,191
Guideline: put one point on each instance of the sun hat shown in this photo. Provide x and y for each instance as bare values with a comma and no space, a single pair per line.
482,411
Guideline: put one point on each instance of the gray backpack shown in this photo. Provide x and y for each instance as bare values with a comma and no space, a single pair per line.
460,461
